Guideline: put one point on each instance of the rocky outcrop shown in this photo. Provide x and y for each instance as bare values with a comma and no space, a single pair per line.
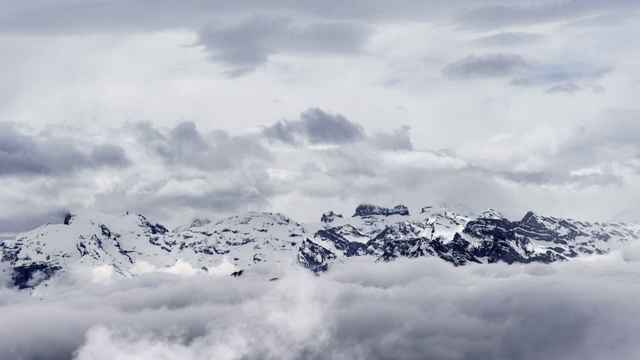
371,210
314,257
330,217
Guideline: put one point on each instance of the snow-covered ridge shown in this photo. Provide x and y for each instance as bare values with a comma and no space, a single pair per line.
253,239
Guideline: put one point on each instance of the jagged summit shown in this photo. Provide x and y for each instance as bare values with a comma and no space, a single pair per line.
492,214
330,216
529,216
254,239
370,210
91,217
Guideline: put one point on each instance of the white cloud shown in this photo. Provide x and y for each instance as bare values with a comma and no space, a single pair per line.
408,308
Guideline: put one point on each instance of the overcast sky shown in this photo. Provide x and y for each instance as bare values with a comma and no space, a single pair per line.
177,109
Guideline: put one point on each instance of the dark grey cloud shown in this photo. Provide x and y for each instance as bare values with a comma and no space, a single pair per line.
243,47
399,139
109,154
523,72
509,39
489,66
565,311
316,127
184,145
23,154
572,88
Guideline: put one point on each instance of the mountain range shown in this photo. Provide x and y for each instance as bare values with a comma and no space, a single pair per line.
253,239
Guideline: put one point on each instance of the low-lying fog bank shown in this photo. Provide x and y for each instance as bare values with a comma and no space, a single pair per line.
411,308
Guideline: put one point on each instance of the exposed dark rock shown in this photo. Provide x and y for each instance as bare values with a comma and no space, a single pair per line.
329,217
350,248
152,228
105,231
27,276
237,273
369,210
68,218
314,257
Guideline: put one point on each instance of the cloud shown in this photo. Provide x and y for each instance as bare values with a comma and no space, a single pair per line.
177,169
316,127
489,66
495,172
521,71
572,88
509,39
551,177
23,155
399,139
498,15
96,62
231,191
181,172
109,154
17,222
610,136
410,308
184,145
596,152
116,15
243,36
561,72
245,46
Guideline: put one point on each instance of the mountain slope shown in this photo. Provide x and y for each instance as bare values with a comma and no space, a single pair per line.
254,239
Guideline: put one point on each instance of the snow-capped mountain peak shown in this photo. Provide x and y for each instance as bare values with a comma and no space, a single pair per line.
492,214
254,239
330,216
